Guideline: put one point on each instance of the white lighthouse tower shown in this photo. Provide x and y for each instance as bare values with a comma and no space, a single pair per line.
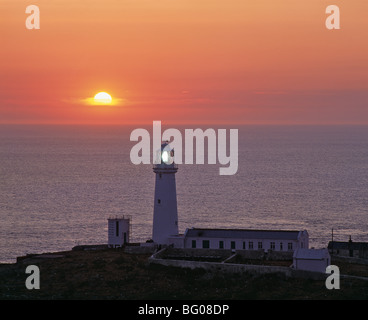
165,212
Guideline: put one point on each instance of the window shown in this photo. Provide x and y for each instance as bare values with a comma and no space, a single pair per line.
259,244
250,245
243,245
160,175
281,246
290,246
206,244
125,237
221,244
117,228
159,201
272,246
232,244
194,244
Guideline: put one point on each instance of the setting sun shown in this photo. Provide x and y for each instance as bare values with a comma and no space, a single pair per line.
102,98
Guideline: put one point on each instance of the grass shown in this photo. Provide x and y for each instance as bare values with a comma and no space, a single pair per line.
112,274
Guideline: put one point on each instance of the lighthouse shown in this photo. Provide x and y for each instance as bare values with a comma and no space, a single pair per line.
165,212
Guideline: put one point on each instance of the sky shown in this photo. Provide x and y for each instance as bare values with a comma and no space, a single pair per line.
184,62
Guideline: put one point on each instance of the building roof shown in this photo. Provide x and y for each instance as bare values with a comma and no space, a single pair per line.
340,245
310,254
242,234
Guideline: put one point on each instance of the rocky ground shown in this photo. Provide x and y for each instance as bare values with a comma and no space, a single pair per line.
112,274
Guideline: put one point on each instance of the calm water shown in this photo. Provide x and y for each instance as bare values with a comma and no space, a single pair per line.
59,184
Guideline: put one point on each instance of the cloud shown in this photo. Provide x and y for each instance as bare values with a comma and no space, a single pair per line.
270,92
91,101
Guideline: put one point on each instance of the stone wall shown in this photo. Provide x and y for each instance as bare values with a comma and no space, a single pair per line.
195,254
237,268
265,255
223,254
222,267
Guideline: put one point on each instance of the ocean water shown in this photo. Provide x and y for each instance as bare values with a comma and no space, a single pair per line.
59,184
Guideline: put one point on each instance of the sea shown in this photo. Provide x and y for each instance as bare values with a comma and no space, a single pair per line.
60,183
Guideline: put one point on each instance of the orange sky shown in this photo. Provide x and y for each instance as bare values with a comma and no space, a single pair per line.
184,61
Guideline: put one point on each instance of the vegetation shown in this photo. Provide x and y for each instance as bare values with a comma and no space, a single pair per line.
113,274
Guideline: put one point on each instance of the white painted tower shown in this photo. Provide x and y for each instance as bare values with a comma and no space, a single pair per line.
165,212
118,231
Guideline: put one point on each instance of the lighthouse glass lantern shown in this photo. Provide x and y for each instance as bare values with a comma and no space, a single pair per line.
165,156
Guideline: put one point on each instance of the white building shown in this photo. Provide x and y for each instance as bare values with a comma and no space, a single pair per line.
118,231
316,260
165,212
245,239
165,220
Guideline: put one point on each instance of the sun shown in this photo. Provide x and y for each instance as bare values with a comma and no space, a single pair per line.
102,98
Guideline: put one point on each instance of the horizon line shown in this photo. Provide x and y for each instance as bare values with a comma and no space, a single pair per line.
176,123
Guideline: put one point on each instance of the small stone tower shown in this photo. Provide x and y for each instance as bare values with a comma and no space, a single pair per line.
118,231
